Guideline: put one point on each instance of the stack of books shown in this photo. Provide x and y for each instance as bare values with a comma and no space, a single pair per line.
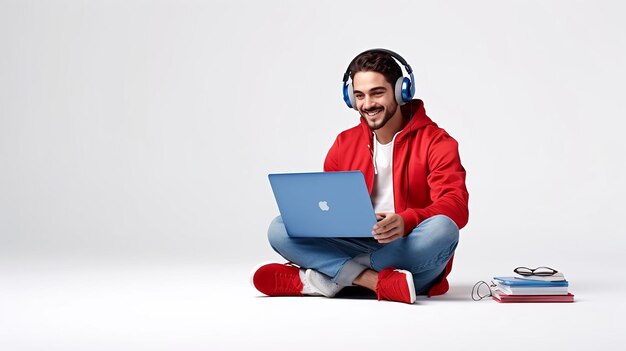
532,289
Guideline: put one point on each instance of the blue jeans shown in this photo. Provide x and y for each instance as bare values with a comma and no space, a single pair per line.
424,252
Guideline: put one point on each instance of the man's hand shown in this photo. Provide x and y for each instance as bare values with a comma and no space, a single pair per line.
390,227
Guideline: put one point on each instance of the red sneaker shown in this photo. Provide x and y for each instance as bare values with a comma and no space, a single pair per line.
275,279
395,285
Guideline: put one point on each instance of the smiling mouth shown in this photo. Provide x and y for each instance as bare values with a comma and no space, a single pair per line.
373,113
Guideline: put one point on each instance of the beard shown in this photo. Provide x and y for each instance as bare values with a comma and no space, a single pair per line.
387,113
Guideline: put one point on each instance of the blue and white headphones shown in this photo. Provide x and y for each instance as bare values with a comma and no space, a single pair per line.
403,90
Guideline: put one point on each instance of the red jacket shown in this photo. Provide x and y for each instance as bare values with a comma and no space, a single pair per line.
428,178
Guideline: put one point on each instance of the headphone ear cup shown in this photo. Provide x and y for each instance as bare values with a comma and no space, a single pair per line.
398,91
407,89
403,90
348,95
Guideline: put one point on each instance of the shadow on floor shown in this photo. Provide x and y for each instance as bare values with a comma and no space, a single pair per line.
356,292
456,293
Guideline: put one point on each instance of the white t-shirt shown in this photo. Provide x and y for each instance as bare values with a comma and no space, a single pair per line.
382,194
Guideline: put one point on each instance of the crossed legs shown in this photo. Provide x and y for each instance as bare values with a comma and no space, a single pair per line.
356,261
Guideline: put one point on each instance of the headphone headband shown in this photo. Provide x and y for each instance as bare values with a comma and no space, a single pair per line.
407,67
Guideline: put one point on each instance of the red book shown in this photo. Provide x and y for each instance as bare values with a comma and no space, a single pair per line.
504,298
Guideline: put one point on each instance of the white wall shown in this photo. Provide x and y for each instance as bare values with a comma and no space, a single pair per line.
147,128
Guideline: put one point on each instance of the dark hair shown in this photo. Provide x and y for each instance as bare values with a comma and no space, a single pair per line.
377,61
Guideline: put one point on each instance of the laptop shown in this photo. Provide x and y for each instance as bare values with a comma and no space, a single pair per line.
324,204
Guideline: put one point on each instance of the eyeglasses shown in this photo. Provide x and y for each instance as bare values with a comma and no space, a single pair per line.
478,295
539,271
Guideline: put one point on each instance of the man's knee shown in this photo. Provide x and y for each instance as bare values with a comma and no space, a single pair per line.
436,231
445,227
277,233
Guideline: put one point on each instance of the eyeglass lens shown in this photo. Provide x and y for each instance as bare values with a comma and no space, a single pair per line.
539,271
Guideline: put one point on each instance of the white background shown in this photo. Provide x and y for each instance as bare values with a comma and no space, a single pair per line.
143,131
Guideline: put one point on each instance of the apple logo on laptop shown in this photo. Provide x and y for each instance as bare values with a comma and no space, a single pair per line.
323,205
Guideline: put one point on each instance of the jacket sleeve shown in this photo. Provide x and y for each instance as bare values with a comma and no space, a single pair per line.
446,180
331,163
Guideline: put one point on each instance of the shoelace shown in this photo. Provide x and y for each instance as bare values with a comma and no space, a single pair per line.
286,283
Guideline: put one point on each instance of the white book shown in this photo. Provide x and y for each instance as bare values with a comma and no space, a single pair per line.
548,290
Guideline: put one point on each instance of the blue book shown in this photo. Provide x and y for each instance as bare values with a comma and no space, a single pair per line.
517,282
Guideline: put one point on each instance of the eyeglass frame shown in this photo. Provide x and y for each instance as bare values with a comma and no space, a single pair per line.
476,296
532,271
